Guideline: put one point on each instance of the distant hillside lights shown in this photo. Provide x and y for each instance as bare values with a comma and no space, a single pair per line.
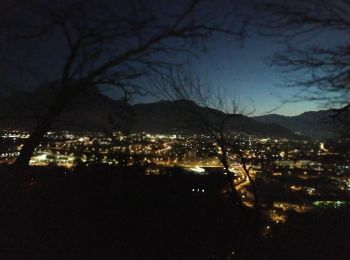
277,157
15,134
6,155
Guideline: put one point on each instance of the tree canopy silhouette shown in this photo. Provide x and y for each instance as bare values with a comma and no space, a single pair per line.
317,51
109,43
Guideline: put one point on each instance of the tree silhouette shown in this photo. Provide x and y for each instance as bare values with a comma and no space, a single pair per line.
213,119
320,67
111,43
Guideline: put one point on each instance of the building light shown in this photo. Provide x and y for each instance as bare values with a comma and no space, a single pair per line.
197,169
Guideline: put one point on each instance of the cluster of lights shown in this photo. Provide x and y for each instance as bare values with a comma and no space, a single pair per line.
278,157
198,190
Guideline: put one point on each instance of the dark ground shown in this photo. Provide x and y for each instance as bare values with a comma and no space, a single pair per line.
120,214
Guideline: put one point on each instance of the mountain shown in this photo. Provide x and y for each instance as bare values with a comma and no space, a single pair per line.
186,116
88,111
94,111
315,124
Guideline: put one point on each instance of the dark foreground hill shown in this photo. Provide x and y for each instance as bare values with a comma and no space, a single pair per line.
110,213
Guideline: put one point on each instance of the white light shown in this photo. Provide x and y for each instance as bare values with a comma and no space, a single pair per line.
197,169
41,157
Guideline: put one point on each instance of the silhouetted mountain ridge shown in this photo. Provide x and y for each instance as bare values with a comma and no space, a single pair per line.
186,116
316,124
91,110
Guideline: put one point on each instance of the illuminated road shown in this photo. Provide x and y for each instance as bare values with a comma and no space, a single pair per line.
242,184
165,149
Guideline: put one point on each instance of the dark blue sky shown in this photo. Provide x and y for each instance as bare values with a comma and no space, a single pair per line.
239,70
243,71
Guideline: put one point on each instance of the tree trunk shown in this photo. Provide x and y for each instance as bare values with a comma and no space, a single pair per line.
230,175
234,192
255,193
36,137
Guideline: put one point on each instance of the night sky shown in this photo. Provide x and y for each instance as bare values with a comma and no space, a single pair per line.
243,70
239,69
